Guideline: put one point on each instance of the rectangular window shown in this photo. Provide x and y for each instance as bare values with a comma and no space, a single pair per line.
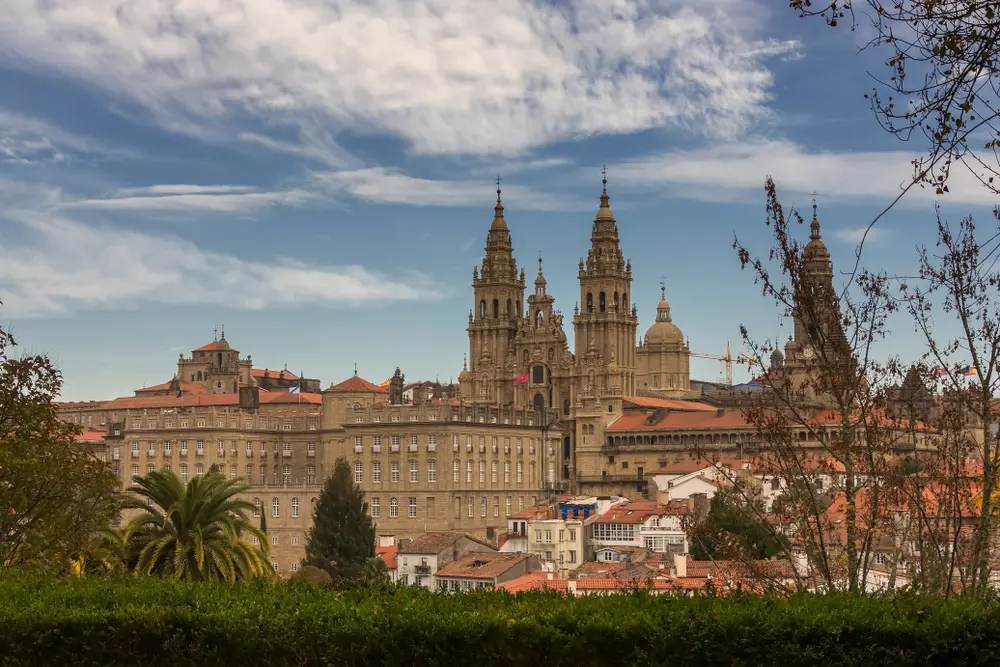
455,469
311,449
414,471
493,473
377,471
249,473
482,472
249,448
359,472
412,513
470,507
432,471
572,556
395,471
572,536
496,506
468,472
507,510
393,508
376,506
358,441
482,503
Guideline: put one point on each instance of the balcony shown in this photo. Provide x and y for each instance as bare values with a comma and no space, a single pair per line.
311,452
421,569
431,447
286,453
411,448
394,449
358,449
376,449
201,452
151,452
184,451
167,451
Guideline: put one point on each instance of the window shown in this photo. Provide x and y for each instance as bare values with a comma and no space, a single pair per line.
482,503
135,469
496,506
135,448
256,507
286,473
253,540
414,471
506,473
295,508
468,472
275,566
311,473
507,509
454,443
359,472
295,540
232,471
455,469
395,471
201,448
377,472
222,447
199,469
493,472
520,472
310,449
295,566
520,504
412,513
167,447
572,556
275,507
468,443
572,536
393,508
274,540
249,448
470,507
482,471
432,472
376,507
286,449
263,473
184,472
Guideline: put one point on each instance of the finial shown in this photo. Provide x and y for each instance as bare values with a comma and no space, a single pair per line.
465,362
498,187
355,369
215,333
814,225
539,261
223,332
604,178
663,287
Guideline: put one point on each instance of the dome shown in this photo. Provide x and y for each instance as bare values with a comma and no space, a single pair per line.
664,330
223,344
465,375
777,355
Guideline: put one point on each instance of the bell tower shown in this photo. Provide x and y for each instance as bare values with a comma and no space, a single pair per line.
605,320
498,289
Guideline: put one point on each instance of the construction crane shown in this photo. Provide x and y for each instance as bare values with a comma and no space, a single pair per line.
729,359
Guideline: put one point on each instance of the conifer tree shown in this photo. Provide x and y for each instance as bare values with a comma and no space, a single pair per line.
342,536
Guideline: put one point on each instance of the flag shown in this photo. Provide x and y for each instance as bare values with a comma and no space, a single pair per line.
293,390
386,383
521,379
940,372
970,371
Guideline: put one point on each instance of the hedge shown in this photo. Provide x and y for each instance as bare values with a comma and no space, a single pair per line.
157,622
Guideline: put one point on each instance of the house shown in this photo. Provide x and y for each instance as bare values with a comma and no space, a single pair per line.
484,570
418,560
646,524
683,479
388,551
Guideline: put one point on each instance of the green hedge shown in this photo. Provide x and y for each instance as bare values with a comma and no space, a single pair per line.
156,622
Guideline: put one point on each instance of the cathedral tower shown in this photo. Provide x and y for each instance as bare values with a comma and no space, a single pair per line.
605,326
499,297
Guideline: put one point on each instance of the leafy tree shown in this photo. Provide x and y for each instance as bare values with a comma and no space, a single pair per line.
311,575
54,494
729,530
196,532
342,536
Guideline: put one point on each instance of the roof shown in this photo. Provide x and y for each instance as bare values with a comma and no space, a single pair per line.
188,401
389,555
433,543
90,436
688,466
534,581
679,420
658,583
635,512
284,372
222,344
355,383
672,403
594,567
186,387
487,565
539,511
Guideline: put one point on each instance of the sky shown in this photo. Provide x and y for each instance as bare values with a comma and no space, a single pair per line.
318,176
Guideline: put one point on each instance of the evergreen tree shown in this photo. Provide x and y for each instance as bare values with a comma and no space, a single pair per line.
342,536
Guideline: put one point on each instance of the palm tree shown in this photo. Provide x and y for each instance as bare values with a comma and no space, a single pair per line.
195,532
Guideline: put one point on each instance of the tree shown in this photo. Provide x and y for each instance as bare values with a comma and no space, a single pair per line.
942,78
54,495
197,532
342,536
731,532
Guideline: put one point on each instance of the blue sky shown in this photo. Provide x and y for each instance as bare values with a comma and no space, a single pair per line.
317,175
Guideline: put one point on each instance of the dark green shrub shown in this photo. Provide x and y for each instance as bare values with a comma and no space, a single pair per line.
312,575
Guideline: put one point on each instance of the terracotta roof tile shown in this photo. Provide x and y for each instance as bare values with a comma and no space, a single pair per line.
639,511
215,345
659,583
259,373
208,400
389,555
90,436
355,383
487,565
677,420
688,466
433,543
534,581
674,404
186,387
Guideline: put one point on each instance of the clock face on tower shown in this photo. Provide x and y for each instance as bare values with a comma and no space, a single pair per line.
808,352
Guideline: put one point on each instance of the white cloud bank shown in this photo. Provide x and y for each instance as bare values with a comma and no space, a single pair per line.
50,263
448,76
731,171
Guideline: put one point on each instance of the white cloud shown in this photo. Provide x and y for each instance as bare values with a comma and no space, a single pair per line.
387,186
731,171
25,140
174,198
448,76
51,264
855,235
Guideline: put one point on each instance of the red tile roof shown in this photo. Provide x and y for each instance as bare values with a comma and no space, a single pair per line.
641,510
186,387
676,420
659,583
215,345
485,565
259,373
534,581
208,400
355,383
389,555
688,466
673,404
434,543
90,436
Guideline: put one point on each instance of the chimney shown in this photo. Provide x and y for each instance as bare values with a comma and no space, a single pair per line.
680,565
249,397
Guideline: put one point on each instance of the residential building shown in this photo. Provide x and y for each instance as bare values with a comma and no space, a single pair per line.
483,570
419,559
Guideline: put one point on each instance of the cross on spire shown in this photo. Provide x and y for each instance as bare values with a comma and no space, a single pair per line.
355,369
663,287
223,332
604,177
215,333
498,187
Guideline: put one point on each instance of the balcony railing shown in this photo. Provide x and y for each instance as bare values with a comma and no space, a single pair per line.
358,449
411,448
421,569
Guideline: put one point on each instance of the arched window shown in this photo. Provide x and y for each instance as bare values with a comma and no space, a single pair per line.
590,302
510,308
295,508
539,319
199,376
256,507
538,374
538,403
356,407
602,300
482,309
393,507
199,469
496,309
616,300
275,507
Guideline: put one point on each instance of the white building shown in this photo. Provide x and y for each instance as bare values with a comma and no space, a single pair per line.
418,560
